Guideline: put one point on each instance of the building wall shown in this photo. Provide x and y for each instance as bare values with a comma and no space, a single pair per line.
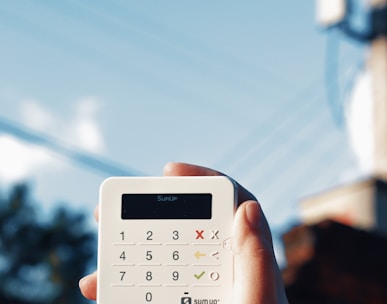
333,263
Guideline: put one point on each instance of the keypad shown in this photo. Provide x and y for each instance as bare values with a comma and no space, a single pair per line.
170,258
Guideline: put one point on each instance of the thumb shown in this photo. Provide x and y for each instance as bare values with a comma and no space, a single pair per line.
256,275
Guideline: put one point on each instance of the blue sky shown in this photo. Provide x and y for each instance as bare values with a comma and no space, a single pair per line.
237,86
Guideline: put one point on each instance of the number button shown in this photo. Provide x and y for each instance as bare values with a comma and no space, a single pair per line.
122,275
176,255
148,297
123,256
149,235
175,235
149,255
149,276
175,275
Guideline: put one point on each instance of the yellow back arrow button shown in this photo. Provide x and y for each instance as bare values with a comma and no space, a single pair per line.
199,254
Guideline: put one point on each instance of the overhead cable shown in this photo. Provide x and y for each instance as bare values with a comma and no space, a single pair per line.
90,161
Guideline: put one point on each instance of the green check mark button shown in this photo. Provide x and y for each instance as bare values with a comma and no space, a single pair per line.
199,276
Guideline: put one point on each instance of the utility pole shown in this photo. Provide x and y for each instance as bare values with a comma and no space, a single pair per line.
337,14
377,65
361,204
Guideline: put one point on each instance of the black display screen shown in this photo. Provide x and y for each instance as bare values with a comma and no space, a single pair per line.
166,206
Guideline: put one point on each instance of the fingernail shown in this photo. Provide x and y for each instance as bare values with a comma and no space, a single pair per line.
82,281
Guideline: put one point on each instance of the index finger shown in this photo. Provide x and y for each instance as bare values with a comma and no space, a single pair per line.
184,169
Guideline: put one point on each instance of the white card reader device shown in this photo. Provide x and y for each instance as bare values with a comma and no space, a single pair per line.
165,240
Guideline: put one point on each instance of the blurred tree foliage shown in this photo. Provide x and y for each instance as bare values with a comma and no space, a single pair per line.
41,261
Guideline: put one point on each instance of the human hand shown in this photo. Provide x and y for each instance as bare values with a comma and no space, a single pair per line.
257,278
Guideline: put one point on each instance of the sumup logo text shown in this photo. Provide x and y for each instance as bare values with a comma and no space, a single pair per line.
166,198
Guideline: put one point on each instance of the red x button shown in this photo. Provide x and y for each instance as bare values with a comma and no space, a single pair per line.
199,234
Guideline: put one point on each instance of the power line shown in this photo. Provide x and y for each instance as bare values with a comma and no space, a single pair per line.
324,151
131,36
249,141
295,170
243,162
188,45
93,162
293,142
251,146
298,146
